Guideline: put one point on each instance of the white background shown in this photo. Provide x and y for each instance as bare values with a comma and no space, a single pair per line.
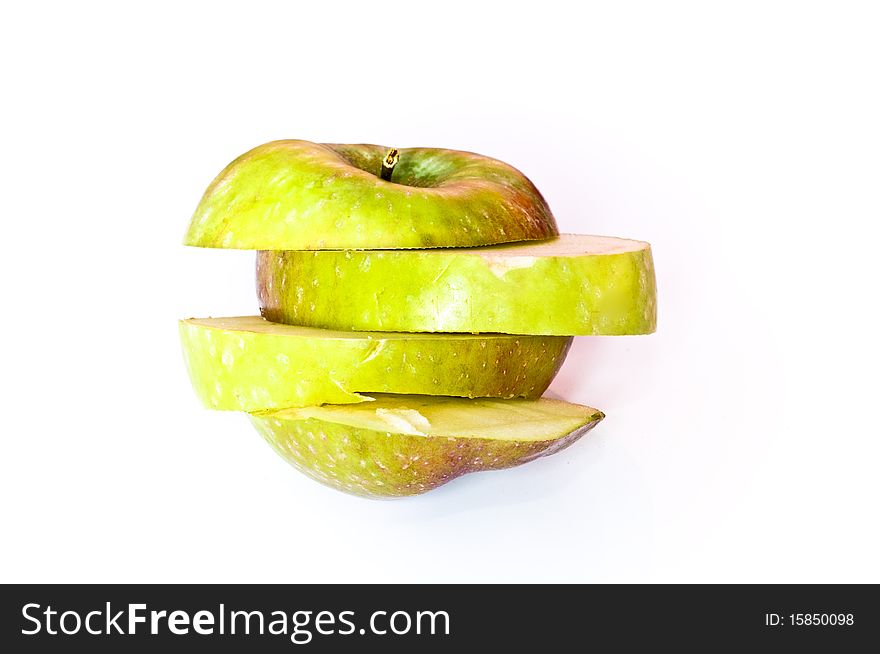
740,139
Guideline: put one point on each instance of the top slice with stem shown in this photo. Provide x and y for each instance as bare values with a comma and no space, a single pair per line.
298,195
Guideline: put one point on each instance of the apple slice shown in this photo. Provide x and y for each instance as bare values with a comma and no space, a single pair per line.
248,364
401,445
297,195
573,284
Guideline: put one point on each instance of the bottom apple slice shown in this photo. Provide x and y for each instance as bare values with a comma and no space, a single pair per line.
399,445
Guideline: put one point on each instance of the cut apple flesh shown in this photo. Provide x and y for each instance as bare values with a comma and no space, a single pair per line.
249,364
570,285
400,445
297,195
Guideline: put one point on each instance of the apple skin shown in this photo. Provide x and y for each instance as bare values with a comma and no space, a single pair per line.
298,195
571,285
382,464
248,364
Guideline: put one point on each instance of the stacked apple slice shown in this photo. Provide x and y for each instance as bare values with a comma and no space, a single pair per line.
421,301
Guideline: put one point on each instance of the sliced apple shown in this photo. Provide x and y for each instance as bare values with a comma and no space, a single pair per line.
249,364
570,285
401,445
297,195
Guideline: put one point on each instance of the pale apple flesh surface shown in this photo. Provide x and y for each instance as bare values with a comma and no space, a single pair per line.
569,285
298,195
249,364
397,446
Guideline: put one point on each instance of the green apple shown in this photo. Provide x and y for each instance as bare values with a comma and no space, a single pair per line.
248,364
297,195
569,285
401,445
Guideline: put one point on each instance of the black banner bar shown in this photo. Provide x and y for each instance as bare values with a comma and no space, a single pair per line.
433,618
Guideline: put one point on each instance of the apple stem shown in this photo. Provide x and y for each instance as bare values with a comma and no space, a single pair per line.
388,163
